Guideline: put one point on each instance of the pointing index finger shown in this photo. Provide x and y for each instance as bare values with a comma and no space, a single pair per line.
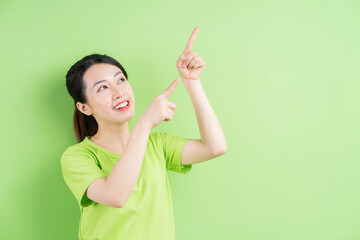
191,40
171,88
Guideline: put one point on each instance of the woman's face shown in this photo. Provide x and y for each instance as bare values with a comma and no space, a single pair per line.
107,86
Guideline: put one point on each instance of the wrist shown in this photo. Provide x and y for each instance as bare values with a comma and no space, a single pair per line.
190,83
143,125
191,80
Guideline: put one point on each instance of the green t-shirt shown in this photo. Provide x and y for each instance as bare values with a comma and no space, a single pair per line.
148,213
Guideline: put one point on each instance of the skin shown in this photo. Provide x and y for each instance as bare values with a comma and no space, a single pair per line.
212,142
189,64
113,132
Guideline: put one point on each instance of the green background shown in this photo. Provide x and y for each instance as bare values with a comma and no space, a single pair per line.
281,76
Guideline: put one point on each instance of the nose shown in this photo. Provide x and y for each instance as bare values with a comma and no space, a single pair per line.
116,93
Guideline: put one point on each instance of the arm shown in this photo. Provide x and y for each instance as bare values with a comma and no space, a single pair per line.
117,187
212,142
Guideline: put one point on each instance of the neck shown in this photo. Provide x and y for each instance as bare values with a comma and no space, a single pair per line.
113,137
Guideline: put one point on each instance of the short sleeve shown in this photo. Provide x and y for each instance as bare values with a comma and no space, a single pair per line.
173,146
79,169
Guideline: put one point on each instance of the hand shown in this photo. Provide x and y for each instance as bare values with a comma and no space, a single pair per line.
189,64
160,109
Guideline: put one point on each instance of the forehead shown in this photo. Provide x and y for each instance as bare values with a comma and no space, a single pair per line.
100,71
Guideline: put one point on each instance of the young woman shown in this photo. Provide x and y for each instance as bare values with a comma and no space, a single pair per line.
118,176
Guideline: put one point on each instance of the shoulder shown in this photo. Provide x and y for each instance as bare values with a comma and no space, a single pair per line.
156,138
76,148
75,152
156,135
161,137
167,139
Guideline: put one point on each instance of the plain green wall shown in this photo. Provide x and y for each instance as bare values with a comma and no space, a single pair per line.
282,77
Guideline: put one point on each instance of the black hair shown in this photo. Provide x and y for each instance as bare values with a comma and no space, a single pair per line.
85,125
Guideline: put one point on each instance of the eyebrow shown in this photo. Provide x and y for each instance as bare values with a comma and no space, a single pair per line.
105,80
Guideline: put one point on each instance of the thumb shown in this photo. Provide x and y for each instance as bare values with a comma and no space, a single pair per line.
171,88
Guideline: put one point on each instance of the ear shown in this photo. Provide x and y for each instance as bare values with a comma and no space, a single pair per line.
84,108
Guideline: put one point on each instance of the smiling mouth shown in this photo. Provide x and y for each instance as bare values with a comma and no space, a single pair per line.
123,106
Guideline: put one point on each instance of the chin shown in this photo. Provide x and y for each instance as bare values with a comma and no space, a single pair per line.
126,118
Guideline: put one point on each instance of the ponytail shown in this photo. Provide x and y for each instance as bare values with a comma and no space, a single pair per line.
84,125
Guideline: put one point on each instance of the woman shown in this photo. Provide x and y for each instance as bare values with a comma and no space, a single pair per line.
119,177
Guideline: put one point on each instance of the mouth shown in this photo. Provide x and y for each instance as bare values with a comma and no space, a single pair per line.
122,106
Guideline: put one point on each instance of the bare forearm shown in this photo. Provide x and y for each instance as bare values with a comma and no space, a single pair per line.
124,176
210,129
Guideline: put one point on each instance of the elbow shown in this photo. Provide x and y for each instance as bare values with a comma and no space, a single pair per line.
118,204
114,200
119,199
116,197
219,151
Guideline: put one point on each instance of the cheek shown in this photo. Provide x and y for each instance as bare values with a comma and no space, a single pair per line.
100,103
128,91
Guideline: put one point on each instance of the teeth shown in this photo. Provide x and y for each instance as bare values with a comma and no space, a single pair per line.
122,105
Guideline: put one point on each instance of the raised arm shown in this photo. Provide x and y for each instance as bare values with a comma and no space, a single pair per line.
212,142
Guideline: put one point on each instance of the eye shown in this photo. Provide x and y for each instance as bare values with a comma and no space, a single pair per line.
106,87
101,88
